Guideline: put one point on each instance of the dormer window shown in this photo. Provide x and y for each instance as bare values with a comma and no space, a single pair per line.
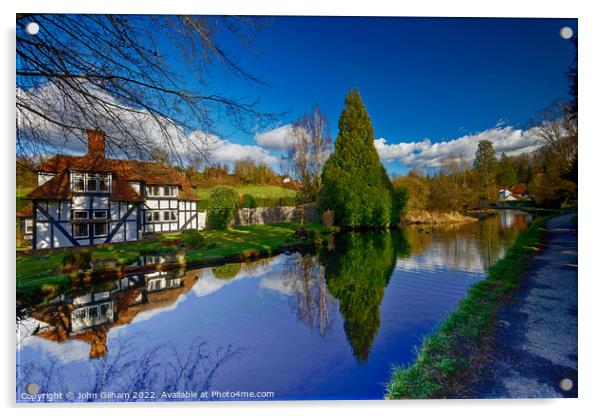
91,182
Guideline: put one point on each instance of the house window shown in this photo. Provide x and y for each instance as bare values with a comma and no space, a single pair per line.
91,182
174,216
104,308
28,226
93,312
80,230
79,183
80,313
80,215
153,216
100,229
103,183
153,191
100,215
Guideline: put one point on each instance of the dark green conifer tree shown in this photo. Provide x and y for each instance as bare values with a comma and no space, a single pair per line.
354,182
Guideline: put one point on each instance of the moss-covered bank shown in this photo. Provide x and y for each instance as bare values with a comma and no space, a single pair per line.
448,357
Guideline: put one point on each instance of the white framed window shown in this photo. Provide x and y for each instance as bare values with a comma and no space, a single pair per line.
93,312
103,183
153,191
100,214
91,182
168,191
79,182
80,230
80,313
100,229
161,216
28,226
79,214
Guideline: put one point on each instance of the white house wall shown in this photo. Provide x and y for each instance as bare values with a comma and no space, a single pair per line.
48,235
131,228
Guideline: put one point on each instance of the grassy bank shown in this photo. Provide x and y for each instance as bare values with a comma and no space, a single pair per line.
39,273
448,357
263,195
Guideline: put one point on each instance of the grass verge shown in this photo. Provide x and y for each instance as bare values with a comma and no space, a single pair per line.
448,357
39,273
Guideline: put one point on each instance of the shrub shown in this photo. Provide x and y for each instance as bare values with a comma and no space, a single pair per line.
247,201
193,239
222,207
400,196
226,271
76,260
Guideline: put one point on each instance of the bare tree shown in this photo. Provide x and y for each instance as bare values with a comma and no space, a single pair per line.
143,79
310,145
557,127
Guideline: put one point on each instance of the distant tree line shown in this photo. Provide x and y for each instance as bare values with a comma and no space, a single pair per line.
549,173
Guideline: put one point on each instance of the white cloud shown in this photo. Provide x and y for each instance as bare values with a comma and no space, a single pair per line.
224,151
431,155
275,139
144,128
389,152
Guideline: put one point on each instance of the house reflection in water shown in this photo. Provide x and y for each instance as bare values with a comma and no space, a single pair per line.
89,317
511,219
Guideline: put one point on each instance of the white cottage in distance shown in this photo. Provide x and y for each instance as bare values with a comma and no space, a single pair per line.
85,200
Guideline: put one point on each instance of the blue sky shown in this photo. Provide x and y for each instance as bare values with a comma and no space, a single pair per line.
435,78
433,87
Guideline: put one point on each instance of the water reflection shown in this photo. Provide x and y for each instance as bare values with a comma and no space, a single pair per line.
357,271
88,317
322,325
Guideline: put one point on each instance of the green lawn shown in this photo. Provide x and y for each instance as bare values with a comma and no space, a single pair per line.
39,275
265,195
21,192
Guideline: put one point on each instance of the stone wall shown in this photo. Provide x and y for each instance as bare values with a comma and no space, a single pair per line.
273,215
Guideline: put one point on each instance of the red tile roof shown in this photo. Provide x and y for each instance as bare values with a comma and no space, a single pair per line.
25,212
520,188
152,173
122,191
57,188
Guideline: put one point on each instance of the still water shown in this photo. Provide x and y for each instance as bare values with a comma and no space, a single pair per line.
327,325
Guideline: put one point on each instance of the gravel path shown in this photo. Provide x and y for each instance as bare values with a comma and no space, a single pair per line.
535,352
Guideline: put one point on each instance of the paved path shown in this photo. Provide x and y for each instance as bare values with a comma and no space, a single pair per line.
536,341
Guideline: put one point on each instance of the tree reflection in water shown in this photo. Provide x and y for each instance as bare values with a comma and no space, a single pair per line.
357,271
304,276
164,368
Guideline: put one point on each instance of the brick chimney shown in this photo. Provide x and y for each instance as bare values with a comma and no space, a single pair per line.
96,143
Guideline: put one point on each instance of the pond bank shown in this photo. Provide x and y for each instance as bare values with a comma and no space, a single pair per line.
447,359
433,218
39,272
535,345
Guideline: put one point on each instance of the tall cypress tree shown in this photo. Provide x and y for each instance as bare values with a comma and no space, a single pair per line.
354,182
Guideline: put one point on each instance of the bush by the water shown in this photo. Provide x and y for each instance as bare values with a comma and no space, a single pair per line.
355,184
226,271
78,259
193,239
400,196
222,207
